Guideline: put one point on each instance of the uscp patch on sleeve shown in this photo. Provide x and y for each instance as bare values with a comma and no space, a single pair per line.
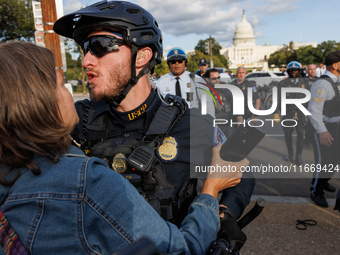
168,151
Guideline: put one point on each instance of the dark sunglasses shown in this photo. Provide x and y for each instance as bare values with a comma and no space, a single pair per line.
99,45
174,61
216,78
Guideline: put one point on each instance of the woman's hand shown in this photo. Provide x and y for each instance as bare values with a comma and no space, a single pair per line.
227,174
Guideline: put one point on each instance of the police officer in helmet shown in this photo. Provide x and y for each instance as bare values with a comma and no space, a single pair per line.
122,43
298,119
182,83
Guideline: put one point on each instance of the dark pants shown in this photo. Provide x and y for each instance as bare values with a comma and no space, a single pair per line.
327,157
288,131
238,199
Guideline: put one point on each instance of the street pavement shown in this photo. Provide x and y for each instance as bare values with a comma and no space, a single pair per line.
80,96
274,231
288,200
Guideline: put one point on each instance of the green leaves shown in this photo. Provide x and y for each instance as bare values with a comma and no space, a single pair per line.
305,55
16,20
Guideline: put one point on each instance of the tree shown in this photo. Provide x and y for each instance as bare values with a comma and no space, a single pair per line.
73,60
162,68
215,46
305,55
16,20
324,49
219,60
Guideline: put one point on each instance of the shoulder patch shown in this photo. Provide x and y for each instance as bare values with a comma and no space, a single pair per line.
318,100
320,92
168,151
319,95
218,136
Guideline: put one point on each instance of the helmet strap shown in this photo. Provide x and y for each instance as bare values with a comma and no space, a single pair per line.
134,79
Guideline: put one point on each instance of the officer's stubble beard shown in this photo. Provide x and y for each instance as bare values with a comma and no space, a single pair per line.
119,77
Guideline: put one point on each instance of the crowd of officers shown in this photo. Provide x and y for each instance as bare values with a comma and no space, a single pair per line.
321,128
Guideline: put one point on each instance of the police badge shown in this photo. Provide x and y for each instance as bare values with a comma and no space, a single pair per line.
119,163
168,150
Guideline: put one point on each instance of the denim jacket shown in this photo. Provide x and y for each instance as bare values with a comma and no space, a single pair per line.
80,206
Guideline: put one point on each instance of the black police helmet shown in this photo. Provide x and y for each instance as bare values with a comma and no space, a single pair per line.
139,27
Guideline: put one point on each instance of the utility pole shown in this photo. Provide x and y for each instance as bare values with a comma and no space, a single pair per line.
51,39
82,70
210,50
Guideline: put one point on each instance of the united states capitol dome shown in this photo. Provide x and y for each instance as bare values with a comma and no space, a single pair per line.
244,34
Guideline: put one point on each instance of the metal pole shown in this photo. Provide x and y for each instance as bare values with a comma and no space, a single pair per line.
211,61
82,70
51,39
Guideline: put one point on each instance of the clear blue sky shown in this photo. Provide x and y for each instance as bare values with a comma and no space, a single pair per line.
276,22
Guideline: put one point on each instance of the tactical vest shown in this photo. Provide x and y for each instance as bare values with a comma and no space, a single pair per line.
292,111
332,107
137,162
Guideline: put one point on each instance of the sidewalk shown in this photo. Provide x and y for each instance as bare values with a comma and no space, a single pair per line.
274,230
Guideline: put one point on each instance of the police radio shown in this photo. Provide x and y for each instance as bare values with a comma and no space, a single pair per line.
142,157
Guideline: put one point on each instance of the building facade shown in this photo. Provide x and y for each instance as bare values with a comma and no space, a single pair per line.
245,52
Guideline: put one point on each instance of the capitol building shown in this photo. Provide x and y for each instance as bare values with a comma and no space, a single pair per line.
245,52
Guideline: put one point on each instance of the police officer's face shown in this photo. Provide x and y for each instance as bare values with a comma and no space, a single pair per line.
294,73
177,67
241,74
109,74
311,71
203,68
215,78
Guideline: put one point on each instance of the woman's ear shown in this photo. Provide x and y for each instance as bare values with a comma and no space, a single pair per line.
143,56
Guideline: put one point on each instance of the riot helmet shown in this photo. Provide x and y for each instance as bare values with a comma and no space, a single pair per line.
292,66
176,53
138,27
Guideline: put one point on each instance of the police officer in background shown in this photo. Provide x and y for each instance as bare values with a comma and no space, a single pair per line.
123,120
242,83
183,83
309,130
223,98
294,80
203,66
325,109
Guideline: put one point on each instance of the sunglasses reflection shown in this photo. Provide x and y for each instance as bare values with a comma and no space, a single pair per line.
100,45
176,61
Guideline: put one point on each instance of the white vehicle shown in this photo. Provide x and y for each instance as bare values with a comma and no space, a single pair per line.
225,77
268,78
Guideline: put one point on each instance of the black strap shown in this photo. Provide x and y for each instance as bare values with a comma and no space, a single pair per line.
134,79
178,88
167,116
91,138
